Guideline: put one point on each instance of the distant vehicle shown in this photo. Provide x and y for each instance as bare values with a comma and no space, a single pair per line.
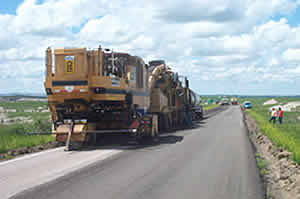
217,101
234,101
210,101
247,104
224,101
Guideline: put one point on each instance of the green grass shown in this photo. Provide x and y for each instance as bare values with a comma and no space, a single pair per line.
15,136
262,165
35,116
287,135
210,106
21,106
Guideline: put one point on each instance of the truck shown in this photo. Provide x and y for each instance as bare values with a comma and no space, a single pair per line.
99,91
234,101
225,101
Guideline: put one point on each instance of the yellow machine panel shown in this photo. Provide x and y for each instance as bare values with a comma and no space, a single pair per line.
69,64
104,88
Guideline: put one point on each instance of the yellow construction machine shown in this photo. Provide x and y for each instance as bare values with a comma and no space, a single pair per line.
91,92
171,99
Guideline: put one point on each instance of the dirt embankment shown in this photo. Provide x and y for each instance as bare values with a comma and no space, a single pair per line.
282,179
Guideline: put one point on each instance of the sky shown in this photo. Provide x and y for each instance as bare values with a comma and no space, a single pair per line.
246,47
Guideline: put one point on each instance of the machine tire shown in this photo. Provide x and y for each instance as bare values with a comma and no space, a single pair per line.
92,139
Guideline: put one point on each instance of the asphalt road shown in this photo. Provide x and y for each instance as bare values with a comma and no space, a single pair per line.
213,161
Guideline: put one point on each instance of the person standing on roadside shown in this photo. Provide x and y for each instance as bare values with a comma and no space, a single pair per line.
273,116
280,115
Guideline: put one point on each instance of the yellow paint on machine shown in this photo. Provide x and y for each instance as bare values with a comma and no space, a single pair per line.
69,64
108,97
77,135
84,79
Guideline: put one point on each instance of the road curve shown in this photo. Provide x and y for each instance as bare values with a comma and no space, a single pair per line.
213,161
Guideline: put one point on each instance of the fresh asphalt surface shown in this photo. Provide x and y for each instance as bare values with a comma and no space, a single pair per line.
213,161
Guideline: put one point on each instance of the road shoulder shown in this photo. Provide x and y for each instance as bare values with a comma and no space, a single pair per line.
281,175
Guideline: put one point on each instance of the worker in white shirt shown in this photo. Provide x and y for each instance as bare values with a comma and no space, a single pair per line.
273,116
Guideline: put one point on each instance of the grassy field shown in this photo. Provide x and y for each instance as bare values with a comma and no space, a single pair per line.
287,135
14,136
17,135
210,106
21,106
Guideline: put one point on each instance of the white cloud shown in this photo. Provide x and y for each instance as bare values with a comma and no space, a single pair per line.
231,42
292,55
189,11
55,18
108,29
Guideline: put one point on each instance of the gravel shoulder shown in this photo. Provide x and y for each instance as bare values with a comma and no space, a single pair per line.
282,175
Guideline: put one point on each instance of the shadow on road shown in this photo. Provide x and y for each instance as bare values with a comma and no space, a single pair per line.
127,142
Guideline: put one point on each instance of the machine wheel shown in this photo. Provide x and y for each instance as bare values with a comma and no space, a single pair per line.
92,139
75,146
138,135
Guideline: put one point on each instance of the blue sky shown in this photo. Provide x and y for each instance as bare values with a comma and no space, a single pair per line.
223,46
9,7
292,17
